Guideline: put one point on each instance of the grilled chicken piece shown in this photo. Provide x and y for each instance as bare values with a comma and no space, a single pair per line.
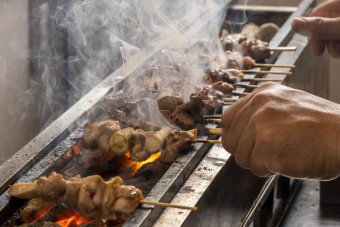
92,196
223,87
110,108
169,103
233,41
256,49
175,142
137,145
189,113
236,61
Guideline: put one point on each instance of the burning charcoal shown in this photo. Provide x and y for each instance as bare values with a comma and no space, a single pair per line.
33,209
92,196
44,224
110,108
169,103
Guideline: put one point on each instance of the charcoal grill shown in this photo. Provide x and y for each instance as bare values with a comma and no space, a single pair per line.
206,176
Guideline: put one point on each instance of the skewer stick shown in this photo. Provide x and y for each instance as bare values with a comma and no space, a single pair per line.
265,72
228,103
212,116
215,131
167,205
273,65
215,120
230,99
261,79
248,85
282,48
240,93
207,141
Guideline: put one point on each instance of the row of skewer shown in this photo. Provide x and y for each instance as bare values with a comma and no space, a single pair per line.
230,101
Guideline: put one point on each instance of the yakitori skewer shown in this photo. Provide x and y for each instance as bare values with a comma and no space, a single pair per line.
212,116
215,131
228,103
273,65
261,79
282,48
230,99
167,205
265,72
215,120
208,141
248,85
240,93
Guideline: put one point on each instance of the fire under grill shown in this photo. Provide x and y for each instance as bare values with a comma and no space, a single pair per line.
205,176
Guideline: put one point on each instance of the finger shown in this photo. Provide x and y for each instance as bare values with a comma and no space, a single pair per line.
245,146
257,165
327,9
317,27
333,47
241,120
317,46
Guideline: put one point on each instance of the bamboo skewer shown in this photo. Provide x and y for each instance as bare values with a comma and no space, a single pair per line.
240,93
167,205
215,131
212,116
207,141
282,48
248,85
230,99
265,72
228,103
261,79
215,120
273,65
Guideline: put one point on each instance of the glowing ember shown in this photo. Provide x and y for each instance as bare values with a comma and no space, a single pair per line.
135,166
40,215
74,220
75,150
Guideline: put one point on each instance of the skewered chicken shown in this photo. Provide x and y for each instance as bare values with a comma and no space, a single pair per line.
110,108
175,142
92,196
226,75
236,61
254,48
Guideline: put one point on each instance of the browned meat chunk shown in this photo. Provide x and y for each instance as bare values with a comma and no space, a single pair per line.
92,196
110,108
232,41
169,103
256,49
223,87
188,114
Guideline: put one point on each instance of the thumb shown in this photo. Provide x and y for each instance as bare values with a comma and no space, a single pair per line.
317,27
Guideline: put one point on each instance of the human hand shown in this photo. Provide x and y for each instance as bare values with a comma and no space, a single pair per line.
322,27
280,130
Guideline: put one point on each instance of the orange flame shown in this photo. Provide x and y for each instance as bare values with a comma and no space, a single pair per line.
42,214
75,150
135,166
74,220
